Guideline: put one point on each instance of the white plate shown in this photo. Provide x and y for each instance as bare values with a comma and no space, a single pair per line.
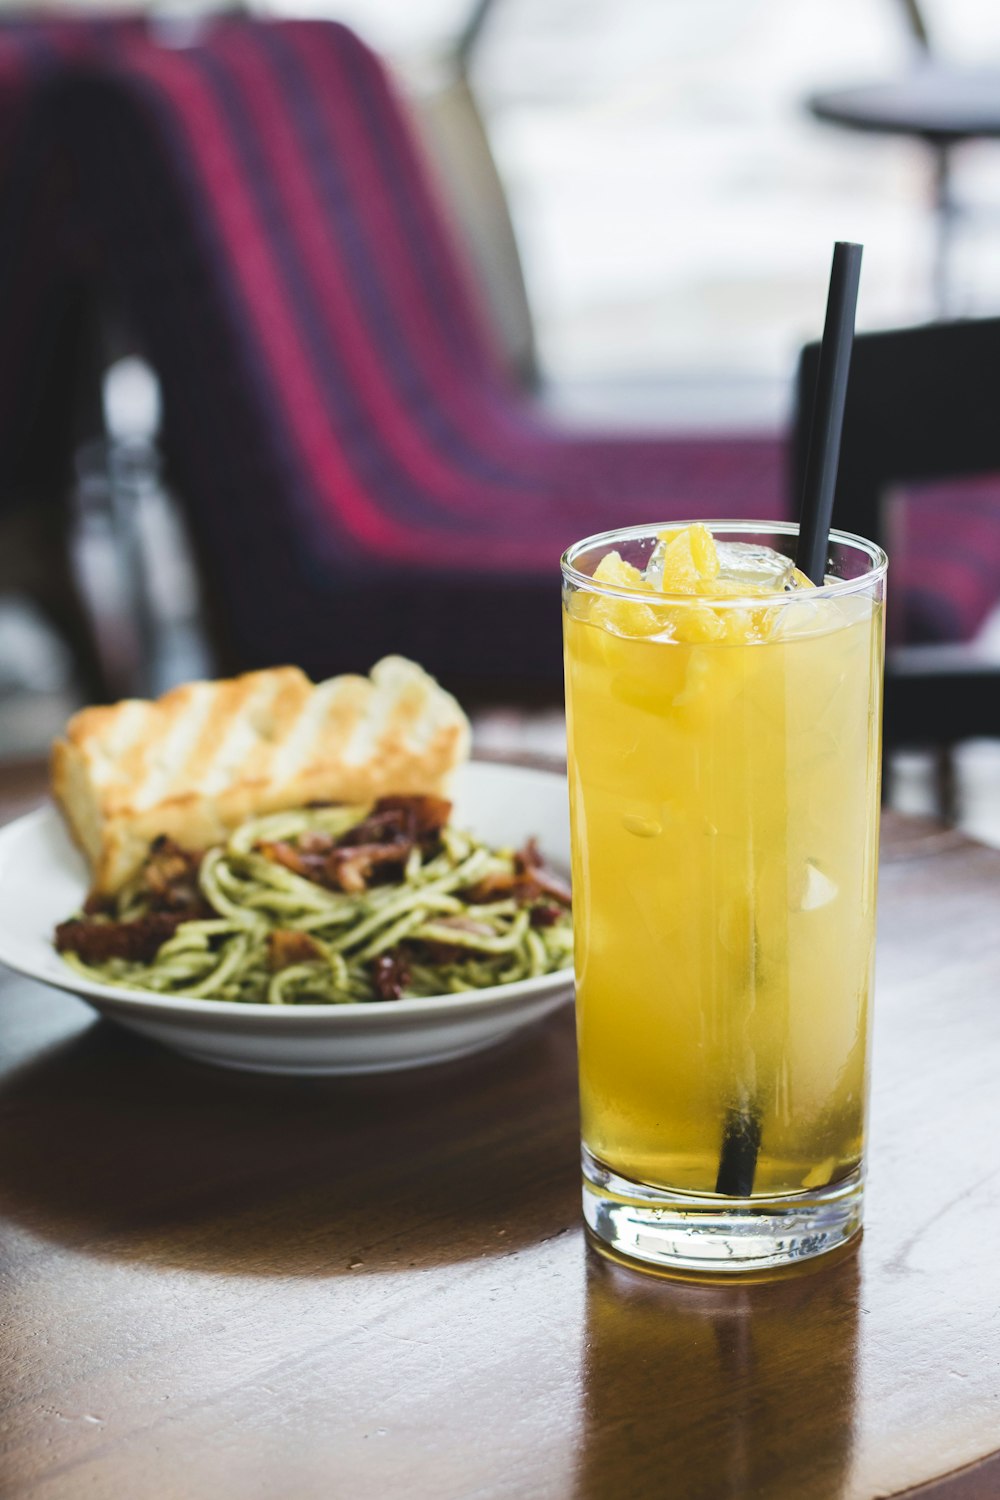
43,880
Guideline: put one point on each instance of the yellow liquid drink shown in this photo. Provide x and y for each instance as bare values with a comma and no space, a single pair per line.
724,739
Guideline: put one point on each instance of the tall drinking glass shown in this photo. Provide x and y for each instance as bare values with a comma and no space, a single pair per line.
724,768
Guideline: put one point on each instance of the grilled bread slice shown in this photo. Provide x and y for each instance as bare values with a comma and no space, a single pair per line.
198,761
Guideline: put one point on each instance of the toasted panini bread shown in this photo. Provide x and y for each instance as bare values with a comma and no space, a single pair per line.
198,761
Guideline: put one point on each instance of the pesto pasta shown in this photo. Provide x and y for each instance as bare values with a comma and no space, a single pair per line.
308,907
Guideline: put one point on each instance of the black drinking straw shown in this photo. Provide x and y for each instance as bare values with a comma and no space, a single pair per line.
738,1157
828,412
741,1130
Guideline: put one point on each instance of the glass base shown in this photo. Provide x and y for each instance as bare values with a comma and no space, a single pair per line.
699,1233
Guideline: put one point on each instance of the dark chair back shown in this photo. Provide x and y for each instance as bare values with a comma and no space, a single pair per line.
923,405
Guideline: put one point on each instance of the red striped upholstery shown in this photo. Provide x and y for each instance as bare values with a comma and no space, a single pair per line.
944,540
359,472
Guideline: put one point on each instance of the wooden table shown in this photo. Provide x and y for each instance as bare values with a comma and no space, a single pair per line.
220,1285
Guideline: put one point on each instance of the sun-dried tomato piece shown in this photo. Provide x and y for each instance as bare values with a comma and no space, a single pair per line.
529,861
390,975
96,940
309,866
545,915
425,813
285,948
169,877
402,820
503,885
316,841
352,869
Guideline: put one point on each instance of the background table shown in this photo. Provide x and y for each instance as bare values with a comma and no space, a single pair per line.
216,1284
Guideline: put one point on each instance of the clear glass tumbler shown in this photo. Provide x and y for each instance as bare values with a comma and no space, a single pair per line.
724,770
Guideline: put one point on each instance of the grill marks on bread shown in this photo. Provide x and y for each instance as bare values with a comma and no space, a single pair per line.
197,762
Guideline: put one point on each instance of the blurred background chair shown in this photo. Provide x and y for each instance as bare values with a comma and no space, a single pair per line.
359,469
937,102
46,337
920,473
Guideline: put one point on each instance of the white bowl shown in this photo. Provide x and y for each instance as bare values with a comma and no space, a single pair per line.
43,880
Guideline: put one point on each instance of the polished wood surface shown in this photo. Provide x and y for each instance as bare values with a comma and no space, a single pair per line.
216,1284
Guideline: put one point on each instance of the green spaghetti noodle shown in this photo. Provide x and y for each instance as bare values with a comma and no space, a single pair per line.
435,922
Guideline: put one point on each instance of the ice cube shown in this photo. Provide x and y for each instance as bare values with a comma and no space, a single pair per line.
793,884
750,563
808,617
817,889
820,1175
854,609
653,571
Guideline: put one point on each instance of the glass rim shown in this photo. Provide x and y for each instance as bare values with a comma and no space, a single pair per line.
840,587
